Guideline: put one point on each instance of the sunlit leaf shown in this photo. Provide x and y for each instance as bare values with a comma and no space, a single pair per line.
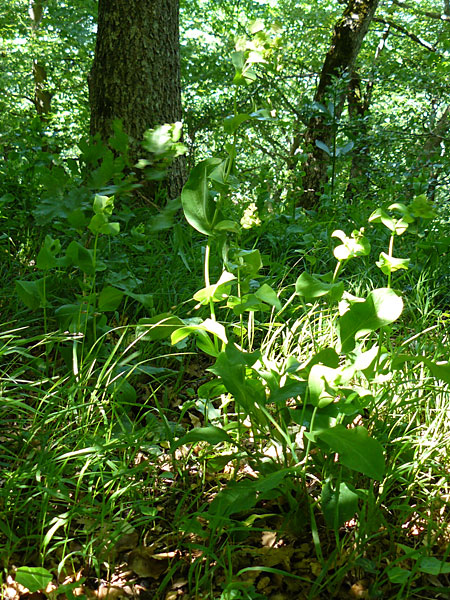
34,579
382,307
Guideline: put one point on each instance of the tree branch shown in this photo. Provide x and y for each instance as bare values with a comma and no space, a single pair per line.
427,13
412,36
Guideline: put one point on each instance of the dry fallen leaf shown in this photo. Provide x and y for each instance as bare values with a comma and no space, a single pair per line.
269,539
127,541
359,590
145,563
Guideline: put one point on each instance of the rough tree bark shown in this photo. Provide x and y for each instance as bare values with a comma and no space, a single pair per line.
135,76
349,33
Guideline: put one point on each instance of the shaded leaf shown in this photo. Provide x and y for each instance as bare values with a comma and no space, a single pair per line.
356,450
338,504
198,205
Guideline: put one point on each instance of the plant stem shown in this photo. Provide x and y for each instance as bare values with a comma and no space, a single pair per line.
390,253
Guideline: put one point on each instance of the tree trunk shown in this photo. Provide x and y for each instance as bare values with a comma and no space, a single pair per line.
135,75
432,151
42,97
348,36
358,112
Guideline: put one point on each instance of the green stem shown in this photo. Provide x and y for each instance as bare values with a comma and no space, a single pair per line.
336,271
390,253
241,316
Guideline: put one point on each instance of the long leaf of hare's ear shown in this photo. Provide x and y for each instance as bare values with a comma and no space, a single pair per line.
198,205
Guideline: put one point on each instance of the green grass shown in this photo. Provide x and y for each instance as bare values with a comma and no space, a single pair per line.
91,467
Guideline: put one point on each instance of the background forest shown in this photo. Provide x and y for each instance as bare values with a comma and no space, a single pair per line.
224,292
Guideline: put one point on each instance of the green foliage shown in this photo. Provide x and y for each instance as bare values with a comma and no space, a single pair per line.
266,367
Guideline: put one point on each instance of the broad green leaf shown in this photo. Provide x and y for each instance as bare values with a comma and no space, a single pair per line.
310,286
73,316
248,75
77,219
261,114
268,295
31,293
205,344
247,302
382,307
323,147
433,566
235,498
271,481
210,434
238,59
322,385
338,504
239,357
34,579
216,292
291,389
165,218
46,258
327,356
389,264
398,575
100,224
227,225
109,298
216,329
356,450
79,256
422,207
145,299
198,205
231,123
343,150
256,25
254,58
356,245
208,325
220,179
158,327
247,261
440,370
403,210
397,226
123,391
381,216
232,371
103,205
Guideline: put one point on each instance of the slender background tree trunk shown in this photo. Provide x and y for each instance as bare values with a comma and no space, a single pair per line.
42,96
348,36
135,75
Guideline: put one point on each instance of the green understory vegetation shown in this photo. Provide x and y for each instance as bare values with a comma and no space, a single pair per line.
182,379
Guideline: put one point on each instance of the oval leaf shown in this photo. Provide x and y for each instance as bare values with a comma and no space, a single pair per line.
356,450
382,307
198,205
33,578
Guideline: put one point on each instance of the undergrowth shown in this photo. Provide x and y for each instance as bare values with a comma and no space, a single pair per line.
299,392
